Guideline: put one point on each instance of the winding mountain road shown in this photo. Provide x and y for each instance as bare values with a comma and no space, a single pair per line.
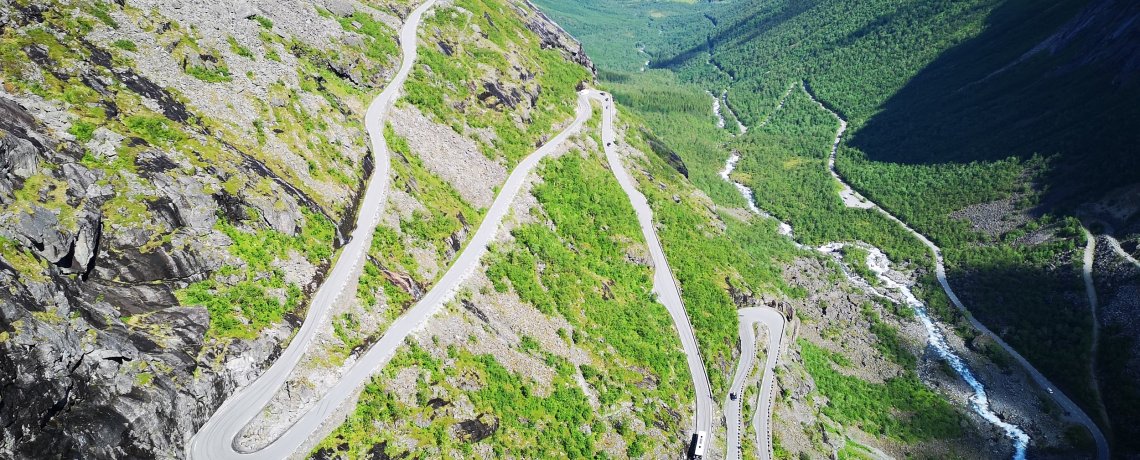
1090,291
664,285
1115,245
216,439
774,321
853,199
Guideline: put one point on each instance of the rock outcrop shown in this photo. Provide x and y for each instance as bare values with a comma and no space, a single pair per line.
553,35
174,176
174,179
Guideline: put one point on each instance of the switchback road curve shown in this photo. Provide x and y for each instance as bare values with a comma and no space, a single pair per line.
762,418
216,439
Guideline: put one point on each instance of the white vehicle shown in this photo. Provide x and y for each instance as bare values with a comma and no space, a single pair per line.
697,446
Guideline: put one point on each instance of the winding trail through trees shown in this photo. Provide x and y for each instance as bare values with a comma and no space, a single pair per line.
854,199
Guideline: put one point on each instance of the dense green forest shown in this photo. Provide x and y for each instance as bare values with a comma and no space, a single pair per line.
951,104
620,35
786,166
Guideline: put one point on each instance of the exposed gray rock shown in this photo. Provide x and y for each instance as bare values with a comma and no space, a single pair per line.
196,210
454,158
85,248
552,35
340,7
17,157
19,147
101,355
98,358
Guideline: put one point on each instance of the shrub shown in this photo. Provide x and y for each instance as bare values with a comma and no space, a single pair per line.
125,44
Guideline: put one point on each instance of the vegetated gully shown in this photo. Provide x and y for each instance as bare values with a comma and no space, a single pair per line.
770,318
216,439
879,264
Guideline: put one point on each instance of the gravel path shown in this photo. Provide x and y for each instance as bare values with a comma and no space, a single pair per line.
1094,306
1115,245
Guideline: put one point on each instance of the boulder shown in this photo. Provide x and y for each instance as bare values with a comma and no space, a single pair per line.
340,7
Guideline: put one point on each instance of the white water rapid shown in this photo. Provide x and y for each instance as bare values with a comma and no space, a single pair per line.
880,265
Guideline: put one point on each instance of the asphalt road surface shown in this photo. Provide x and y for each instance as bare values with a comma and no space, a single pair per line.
215,440
664,285
762,420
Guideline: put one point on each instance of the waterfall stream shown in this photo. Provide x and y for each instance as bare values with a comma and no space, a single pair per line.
880,265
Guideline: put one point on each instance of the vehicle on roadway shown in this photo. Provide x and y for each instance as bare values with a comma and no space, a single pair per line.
697,446
732,396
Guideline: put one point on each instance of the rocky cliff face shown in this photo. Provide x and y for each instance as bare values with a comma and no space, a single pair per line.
553,35
174,179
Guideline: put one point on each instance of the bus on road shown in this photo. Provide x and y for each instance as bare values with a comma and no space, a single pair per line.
697,446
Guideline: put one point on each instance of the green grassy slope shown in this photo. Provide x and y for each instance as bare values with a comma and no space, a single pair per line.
570,272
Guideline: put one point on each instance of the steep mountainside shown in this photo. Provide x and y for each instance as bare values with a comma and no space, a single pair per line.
176,177
553,348
997,128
